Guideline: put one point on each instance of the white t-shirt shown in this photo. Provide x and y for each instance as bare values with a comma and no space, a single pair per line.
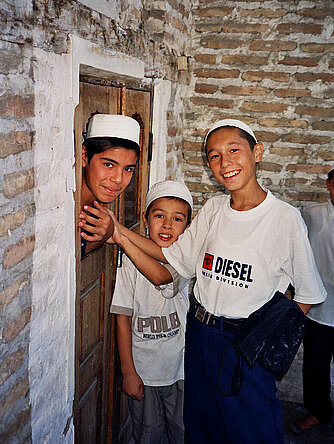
158,323
241,258
319,219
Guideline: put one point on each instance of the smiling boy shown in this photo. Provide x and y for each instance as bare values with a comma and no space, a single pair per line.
110,153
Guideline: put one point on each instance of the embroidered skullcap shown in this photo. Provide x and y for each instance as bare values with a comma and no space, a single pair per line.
230,122
168,188
113,125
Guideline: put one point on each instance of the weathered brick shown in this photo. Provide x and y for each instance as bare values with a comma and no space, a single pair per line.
265,136
292,92
263,107
11,431
314,111
288,152
270,166
16,253
12,105
198,161
326,155
19,391
196,187
245,90
16,142
217,73
263,12
260,75
220,43
316,13
212,102
281,122
299,61
312,77
208,27
301,28
331,62
11,363
204,88
245,28
17,183
12,221
272,45
205,58
244,60
323,125
307,196
321,48
10,293
213,12
172,131
193,174
293,182
309,139
308,168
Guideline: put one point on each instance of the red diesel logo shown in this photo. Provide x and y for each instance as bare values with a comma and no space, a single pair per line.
208,261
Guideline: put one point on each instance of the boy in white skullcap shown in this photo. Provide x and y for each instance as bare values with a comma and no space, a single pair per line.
110,153
151,322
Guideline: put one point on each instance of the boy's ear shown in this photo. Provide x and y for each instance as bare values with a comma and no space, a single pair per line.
258,151
145,220
84,156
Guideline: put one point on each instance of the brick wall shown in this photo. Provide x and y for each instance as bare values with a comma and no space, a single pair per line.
269,64
16,238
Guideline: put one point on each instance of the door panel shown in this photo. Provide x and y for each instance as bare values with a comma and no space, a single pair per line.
96,403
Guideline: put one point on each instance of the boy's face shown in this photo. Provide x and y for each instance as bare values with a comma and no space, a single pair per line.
330,187
231,159
107,174
167,219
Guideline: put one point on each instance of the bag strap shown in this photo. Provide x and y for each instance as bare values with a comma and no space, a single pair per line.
237,378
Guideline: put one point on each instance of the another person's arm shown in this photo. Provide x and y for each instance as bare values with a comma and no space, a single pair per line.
132,382
92,225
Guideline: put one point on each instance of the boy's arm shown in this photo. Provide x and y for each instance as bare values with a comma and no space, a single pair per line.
132,382
156,273
92,225
304,307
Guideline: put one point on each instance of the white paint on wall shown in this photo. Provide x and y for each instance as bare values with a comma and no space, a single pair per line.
51,350
162,93
106,7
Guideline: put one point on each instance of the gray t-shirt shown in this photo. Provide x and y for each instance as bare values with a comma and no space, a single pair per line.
319,219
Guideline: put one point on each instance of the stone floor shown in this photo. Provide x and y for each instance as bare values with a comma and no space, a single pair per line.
317,435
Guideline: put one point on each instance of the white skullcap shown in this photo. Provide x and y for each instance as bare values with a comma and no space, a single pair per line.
168,188
230,122
113,125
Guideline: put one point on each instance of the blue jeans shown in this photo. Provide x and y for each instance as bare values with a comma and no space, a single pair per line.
253,416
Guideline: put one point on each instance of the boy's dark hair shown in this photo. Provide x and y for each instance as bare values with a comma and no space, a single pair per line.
96,145
251,141
331,174
172,198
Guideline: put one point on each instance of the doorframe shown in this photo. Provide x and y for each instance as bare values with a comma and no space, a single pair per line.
88,59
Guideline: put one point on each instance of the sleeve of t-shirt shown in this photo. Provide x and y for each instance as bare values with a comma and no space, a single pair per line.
300,264
183,253
178,284
122,300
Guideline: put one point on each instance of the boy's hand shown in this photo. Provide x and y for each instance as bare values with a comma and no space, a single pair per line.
97,222
133,386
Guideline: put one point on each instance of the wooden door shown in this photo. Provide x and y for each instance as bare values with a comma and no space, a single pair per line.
96,370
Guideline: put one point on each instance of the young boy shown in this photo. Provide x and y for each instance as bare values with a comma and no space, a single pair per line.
110,153
242,249
151,323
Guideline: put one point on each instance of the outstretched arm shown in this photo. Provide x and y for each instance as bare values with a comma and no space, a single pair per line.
132,382
92,225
